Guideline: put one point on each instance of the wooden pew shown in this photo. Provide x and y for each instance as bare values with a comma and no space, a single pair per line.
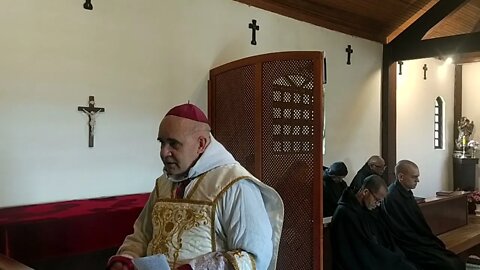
7,263
327,252
463,238
446,215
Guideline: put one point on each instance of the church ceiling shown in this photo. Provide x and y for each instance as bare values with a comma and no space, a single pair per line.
464,20
377,20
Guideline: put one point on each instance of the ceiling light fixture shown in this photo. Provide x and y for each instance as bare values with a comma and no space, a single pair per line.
88,5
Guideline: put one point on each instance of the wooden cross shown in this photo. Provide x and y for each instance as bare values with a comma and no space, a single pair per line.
91,111
349,51
425,68
400,64
253,25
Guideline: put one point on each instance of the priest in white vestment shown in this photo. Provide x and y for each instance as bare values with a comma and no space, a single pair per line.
206,211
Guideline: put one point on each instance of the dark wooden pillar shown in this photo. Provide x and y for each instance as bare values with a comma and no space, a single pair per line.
389,113
457,99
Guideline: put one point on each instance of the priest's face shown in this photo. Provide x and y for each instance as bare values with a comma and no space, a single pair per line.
181,145
409,177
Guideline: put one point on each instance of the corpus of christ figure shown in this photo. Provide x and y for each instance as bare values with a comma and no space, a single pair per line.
91,111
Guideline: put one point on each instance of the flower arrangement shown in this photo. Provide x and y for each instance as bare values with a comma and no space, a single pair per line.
474,197
473,144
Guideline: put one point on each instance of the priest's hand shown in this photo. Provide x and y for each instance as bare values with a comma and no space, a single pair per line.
118,266
119,262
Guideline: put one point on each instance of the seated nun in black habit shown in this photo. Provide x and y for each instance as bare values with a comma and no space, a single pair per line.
409,227
333,186
360,240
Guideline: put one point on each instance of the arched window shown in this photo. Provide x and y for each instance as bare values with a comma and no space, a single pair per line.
438,124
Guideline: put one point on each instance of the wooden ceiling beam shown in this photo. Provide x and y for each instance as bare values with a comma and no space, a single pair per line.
443,46
467,58
434,15
476,28
409,44
410,21
330,18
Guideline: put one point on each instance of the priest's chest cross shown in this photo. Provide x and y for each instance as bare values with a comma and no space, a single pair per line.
92,112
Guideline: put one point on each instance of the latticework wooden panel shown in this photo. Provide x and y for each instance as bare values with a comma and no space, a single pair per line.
234,122
287,134
267,111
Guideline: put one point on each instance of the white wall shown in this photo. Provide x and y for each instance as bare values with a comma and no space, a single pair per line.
470,101
138,58
415,118
471,95
352,108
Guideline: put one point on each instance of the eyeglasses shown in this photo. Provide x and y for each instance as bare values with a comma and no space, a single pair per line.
378,201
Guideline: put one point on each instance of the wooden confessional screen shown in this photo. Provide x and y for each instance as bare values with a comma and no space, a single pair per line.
267,110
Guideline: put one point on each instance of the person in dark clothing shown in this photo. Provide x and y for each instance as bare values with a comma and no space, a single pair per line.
360,240
409,226
333,186
374,165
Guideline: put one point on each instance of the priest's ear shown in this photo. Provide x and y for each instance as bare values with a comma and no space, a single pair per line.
202,133
203,142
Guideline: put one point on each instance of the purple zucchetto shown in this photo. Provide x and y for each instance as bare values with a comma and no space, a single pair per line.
188,111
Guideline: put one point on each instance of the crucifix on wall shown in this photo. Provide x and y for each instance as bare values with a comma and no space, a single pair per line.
253,25
91,111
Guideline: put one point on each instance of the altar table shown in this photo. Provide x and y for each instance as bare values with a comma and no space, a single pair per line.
37,232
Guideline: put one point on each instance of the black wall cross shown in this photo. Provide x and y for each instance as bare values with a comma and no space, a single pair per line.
91,111
253,25
425,68
349,51
400,64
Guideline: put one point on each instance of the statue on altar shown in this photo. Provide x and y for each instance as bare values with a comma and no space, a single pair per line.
465,130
